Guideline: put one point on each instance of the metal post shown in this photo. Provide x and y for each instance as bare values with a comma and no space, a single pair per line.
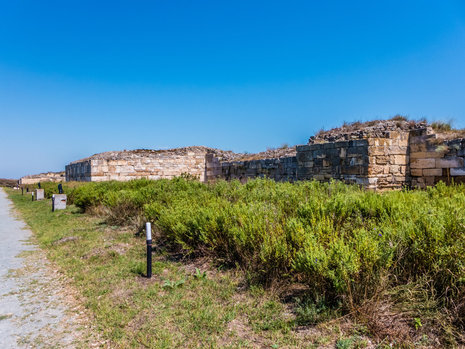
148,230
32,196
22,190
53,202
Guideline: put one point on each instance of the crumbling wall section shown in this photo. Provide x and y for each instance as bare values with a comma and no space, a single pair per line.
163,165
377,155
79,171
433,159
213,167
43,177
279,169
346,160
375,162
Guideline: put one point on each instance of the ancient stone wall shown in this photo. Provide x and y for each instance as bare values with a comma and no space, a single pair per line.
377,155
163,166
212,167
433,159
79,171
280,169
42,177
124,166
388,156
345,160
376,162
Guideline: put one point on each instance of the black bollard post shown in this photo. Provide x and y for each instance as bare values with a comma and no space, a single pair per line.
148,231
22,190
53,203
32,196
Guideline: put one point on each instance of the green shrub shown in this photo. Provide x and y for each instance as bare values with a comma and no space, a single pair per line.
339,239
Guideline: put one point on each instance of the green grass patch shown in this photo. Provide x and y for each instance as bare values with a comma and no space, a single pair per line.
362,255
177,308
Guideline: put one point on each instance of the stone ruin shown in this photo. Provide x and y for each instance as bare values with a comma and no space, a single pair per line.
43,177
378,155
146,163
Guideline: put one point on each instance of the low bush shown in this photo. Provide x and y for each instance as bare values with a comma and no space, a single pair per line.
51,188
343,242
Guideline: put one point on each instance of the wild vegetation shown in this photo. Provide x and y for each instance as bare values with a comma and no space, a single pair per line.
4,182
394,262
188,303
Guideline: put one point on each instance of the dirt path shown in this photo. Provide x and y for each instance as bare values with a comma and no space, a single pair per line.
37,308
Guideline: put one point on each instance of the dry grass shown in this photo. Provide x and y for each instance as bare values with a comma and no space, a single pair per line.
9,183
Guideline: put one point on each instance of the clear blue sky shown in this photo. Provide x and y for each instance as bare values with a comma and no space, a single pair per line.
81,77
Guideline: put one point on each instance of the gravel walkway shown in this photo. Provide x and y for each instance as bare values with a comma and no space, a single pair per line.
37,308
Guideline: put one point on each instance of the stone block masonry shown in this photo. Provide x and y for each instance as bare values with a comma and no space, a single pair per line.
42,177
435,159
388,161
382,155
345,160
280,169
150,164
375,163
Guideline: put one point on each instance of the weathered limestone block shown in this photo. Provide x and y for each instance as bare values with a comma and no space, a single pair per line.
432,172
394,169
457,171
449,163
399,159
403,142
376,169
378,151
396,150
426,155
381,160
423,163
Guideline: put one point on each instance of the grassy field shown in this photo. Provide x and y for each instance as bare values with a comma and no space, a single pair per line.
187,304
265,264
